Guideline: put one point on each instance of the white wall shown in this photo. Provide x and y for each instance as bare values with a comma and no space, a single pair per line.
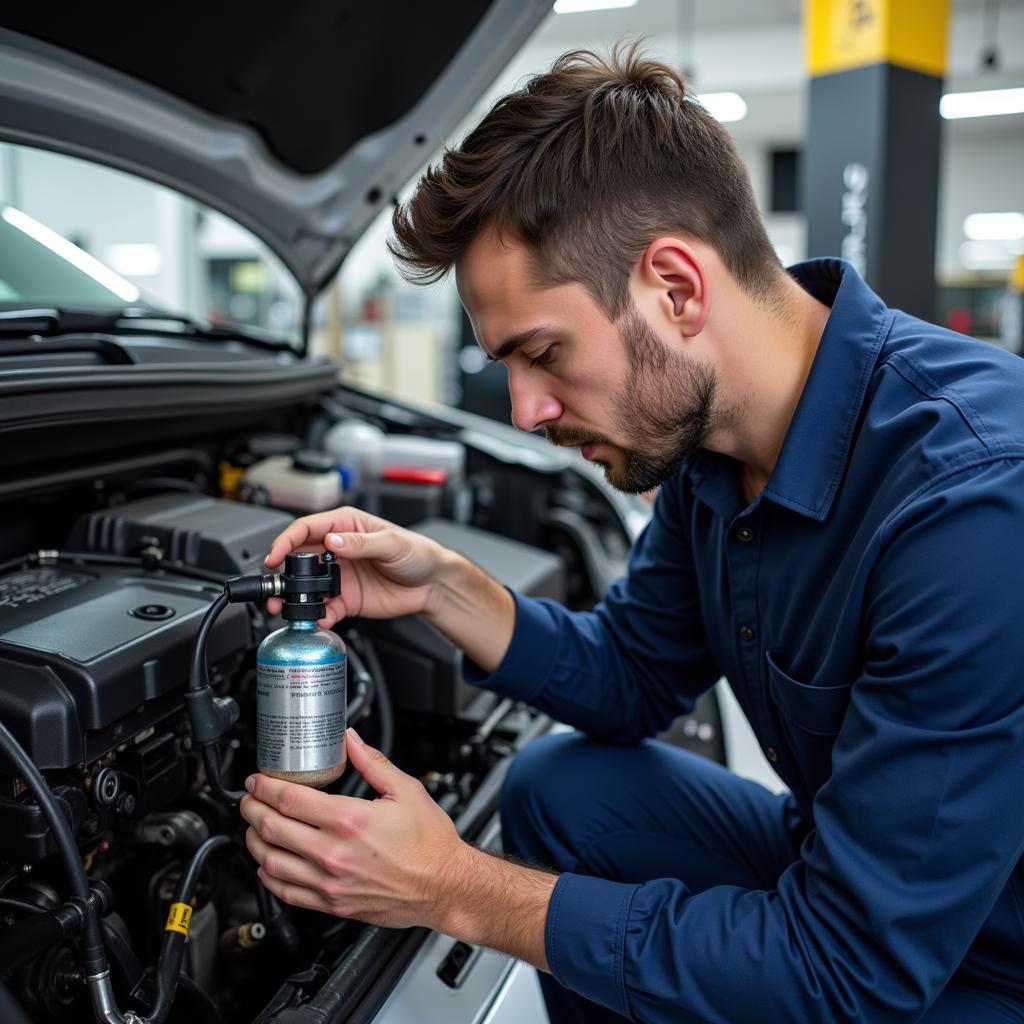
981,172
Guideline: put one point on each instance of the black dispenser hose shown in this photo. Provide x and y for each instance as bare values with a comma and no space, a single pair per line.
210,716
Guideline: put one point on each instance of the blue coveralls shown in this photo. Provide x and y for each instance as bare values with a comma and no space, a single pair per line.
866,611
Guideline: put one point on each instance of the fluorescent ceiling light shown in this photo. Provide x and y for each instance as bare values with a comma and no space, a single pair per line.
982,104
987,227
724,106
579,6
70,252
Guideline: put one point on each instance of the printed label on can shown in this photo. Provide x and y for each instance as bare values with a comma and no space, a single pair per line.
300,715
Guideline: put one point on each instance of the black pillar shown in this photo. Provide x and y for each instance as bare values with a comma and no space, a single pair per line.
872,160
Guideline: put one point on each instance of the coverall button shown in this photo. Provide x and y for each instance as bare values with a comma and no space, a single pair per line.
745,534
746,633
773,755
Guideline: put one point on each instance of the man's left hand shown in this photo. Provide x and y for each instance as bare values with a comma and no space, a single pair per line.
389,861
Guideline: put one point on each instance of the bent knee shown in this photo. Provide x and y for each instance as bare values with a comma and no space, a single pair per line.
545,781
524,782
546,768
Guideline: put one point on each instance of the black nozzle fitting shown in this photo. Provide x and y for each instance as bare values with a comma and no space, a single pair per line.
307,583
243,589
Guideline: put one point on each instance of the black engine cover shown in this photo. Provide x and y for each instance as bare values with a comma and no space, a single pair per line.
91,656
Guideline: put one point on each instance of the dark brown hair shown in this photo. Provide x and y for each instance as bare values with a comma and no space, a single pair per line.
587,164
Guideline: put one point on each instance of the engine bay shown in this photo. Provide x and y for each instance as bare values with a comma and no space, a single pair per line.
108,571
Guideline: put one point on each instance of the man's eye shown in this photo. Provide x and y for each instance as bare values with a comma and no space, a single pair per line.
543,358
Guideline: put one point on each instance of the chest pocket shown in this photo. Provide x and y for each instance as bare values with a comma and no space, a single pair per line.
810,718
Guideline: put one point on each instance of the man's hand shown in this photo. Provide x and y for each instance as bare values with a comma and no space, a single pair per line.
389,861
385,571
396,861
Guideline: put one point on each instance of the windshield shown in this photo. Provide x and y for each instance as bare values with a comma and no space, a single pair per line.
40,268
77,235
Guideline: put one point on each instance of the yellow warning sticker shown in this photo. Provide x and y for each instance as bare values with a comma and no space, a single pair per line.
179,918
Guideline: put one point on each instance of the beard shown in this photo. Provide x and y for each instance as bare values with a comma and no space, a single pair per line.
665,411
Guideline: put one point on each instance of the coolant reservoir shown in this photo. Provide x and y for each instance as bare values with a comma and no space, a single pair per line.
306,481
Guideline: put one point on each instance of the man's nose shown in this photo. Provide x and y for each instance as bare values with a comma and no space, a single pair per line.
532,406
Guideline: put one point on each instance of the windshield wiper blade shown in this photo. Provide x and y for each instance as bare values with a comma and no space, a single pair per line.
206,332
53,321
49,321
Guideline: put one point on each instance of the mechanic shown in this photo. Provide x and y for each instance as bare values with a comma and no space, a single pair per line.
838,531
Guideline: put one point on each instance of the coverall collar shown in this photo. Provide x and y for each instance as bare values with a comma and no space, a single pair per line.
815,450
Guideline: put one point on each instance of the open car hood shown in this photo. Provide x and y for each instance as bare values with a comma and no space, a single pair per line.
299,121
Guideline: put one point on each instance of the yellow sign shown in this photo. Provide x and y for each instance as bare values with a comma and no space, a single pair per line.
845,34
1017,276
179,918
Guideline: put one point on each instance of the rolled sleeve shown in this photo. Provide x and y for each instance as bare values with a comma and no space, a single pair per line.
585,937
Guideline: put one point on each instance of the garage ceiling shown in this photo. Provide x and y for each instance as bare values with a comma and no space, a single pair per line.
755,47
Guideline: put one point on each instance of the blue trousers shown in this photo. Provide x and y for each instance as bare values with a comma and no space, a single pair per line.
636,813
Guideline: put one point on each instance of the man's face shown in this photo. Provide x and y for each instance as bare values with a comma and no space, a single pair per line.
616,390
662,414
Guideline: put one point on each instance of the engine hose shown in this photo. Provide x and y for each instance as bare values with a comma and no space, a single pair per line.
94,957
277,916
208,718
123,561
355,785
363,687
168,964
341,992
385,711
197,679
211,764
10,903
26,939
125,969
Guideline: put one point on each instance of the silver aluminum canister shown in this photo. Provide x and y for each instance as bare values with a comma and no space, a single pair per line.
301,704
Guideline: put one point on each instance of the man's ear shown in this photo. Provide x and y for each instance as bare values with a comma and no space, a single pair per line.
674,270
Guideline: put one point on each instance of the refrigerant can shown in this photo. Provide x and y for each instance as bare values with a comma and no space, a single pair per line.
301,704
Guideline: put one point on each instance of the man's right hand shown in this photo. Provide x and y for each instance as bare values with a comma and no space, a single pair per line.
385,571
